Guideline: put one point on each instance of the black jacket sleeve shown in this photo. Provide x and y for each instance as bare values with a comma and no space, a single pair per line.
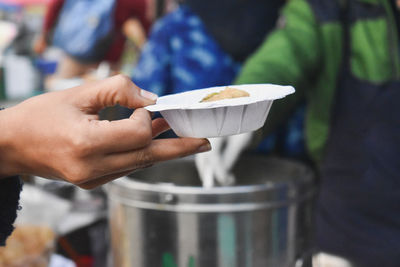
10,189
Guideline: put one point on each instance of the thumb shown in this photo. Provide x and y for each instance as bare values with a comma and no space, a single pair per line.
115,90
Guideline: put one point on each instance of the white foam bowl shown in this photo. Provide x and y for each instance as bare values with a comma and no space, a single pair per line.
190,118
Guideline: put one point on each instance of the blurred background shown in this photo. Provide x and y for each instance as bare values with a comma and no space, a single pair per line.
166,46
250,201
28,46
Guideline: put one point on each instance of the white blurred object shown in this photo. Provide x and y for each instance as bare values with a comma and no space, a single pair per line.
60,261
216,165
81,208
41,208
103,70
53,53
57,84
8,32
189,116
327,260
21,77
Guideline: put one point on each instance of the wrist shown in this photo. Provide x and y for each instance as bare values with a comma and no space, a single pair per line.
7,152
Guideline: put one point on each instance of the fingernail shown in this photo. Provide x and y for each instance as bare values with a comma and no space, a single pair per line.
148,95
204,148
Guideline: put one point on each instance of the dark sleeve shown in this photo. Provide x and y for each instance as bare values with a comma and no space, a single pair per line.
10,189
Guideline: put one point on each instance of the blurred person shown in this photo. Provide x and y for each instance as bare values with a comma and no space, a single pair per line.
192,48
124,18
59,136
180,55
343,58
203,44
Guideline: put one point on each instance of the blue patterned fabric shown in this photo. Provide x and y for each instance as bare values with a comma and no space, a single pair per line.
288,140
180,55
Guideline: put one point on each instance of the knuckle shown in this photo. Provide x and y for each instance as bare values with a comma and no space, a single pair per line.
123,80
144,133
80,146
145,158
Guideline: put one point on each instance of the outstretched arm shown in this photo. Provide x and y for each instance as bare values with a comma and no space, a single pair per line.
59,135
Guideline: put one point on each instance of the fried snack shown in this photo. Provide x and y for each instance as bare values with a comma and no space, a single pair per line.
28,246
227,93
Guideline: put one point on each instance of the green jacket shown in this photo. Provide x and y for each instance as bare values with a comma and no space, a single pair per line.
306,51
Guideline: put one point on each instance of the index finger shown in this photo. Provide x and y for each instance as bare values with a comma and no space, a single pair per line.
118,89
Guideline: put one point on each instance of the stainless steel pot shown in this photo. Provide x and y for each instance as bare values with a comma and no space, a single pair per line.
163,217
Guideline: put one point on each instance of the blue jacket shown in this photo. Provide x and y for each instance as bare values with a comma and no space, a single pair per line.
180,55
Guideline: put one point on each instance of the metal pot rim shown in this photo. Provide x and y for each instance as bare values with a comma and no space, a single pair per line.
135,185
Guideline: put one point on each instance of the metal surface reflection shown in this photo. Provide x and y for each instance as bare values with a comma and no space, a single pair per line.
162,217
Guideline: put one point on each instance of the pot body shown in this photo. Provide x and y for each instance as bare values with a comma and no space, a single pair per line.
163,217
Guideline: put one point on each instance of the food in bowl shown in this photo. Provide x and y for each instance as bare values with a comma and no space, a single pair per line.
188,117
227,93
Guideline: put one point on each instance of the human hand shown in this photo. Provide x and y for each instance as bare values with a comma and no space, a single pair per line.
40,45
59,135
216,165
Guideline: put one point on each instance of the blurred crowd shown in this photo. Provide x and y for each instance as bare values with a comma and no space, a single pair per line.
341,56
166,46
